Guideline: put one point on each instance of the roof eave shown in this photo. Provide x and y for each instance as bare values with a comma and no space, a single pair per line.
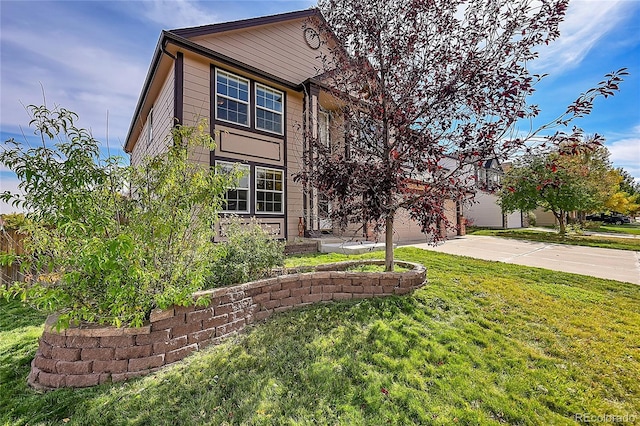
244,23
153,67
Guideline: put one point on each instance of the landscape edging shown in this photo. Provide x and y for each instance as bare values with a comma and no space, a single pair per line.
89,355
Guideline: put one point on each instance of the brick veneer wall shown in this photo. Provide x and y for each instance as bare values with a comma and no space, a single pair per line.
89,355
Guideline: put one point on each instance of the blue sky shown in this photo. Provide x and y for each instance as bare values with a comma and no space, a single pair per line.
92,57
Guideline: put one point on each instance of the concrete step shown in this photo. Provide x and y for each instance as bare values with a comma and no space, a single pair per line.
351,247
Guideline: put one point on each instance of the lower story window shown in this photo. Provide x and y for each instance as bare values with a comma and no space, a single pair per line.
269,190
236,199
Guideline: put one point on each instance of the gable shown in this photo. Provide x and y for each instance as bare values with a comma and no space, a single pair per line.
278,49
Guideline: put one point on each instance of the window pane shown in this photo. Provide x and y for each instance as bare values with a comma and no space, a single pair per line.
232,111
269,107
236,199
269,98
268,120
244,94
232,98
269,190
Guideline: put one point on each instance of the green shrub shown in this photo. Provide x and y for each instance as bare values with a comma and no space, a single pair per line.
574,229
12,221
250,253
110,243
591,224
532,218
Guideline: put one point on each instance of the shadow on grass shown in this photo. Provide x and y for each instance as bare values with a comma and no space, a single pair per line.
482,343
15,315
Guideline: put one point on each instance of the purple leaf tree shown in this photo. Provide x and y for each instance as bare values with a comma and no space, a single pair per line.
426,89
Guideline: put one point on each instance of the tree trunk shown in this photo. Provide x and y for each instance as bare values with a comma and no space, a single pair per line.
388,240
561,222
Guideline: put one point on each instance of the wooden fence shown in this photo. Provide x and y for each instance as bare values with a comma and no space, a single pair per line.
10,242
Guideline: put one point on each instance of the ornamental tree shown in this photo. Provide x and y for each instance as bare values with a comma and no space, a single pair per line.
97,251
627,199
426,89
575,177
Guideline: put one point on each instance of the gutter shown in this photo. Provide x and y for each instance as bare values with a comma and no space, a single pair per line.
167,37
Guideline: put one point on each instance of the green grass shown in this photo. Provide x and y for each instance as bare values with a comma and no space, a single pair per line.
482,343
552,237
375,268
629,228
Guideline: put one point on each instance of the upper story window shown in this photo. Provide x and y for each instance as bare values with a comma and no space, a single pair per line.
269,107
489,178
232,98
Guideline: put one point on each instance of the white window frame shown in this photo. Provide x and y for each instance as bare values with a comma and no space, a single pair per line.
248,188
281,192
324,129
247,103
150,127
281,113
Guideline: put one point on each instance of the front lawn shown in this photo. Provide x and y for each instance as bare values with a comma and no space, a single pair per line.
572,239
628,228
482,343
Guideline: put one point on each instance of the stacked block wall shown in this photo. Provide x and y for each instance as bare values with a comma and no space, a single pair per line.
89,355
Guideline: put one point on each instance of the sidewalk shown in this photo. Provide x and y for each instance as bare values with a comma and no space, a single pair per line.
620,265
597,234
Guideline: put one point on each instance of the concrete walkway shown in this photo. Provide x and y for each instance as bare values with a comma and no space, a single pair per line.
620,265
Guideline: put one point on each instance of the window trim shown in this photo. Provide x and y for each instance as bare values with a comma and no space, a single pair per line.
281,192
247,103
248,188
324,126
150,127
256,106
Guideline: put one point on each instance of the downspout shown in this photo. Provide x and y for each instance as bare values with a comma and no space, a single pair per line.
163,49
178,84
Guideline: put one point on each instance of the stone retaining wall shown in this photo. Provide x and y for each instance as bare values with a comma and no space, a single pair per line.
300,248
89,355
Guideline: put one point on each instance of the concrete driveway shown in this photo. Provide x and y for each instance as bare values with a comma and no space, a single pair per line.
620,265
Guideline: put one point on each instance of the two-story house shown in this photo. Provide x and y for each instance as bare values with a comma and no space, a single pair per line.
485,211
256,82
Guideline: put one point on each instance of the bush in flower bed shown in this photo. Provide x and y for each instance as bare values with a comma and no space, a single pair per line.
112,242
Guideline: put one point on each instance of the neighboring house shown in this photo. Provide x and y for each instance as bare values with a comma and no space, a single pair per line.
256,82
544,218
485,210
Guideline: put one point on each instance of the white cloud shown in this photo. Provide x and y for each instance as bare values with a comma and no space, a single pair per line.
585,23
625,152
80,75
177,13
8,183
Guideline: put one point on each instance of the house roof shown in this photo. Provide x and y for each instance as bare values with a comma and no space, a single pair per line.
244,23
180,38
